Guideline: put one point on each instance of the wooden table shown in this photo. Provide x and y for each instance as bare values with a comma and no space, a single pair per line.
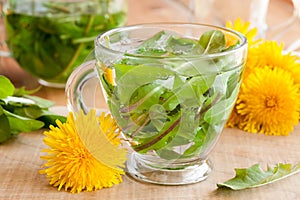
20,162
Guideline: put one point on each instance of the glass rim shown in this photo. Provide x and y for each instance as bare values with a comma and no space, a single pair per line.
239,47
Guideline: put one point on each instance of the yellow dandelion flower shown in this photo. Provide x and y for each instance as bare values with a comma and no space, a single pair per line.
244,28
235,119
269,102
84,155
266,53
270,53
108,73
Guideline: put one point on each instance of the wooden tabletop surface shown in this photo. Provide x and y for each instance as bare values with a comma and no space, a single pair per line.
20,158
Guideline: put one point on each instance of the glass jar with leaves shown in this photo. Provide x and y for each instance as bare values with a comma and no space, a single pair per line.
49,38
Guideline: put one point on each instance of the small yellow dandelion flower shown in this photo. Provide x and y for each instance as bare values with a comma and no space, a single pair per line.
269,102
108,73
81,151
244,28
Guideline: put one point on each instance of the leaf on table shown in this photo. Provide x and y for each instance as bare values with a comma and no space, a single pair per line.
22,112
254,176
20,124
17,101
7,88
50,119
41,102
35,112
23,91
5,128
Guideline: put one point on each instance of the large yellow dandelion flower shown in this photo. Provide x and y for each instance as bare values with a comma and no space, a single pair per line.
269,102
84,155
270,53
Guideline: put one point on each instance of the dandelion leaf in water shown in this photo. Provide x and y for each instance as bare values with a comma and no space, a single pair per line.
212,41
254,176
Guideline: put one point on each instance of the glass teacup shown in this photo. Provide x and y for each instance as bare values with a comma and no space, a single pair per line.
49,38
170,87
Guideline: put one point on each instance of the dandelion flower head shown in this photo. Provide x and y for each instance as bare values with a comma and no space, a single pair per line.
269,102
83,155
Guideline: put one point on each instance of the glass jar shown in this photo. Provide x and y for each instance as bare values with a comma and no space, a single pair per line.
49,38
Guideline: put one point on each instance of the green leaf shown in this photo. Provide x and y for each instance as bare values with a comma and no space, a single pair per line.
5,128
169,100
196,67
35,112
144,97
1,110
168,154
220,110
163,138
42,103
32,111
158,116
22,91
50,119
212,41
256,177
130,78
6,87
154,46
17,101
20,124
183,46
190,93
198,140
21,112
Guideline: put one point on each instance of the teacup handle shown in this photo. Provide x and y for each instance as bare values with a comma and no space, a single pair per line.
83,76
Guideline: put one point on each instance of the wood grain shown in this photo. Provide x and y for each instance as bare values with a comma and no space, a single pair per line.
20,163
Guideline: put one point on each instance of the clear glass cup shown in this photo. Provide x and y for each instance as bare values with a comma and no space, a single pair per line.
170,91
49,38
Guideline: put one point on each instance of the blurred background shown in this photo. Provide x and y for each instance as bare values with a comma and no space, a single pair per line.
279,15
